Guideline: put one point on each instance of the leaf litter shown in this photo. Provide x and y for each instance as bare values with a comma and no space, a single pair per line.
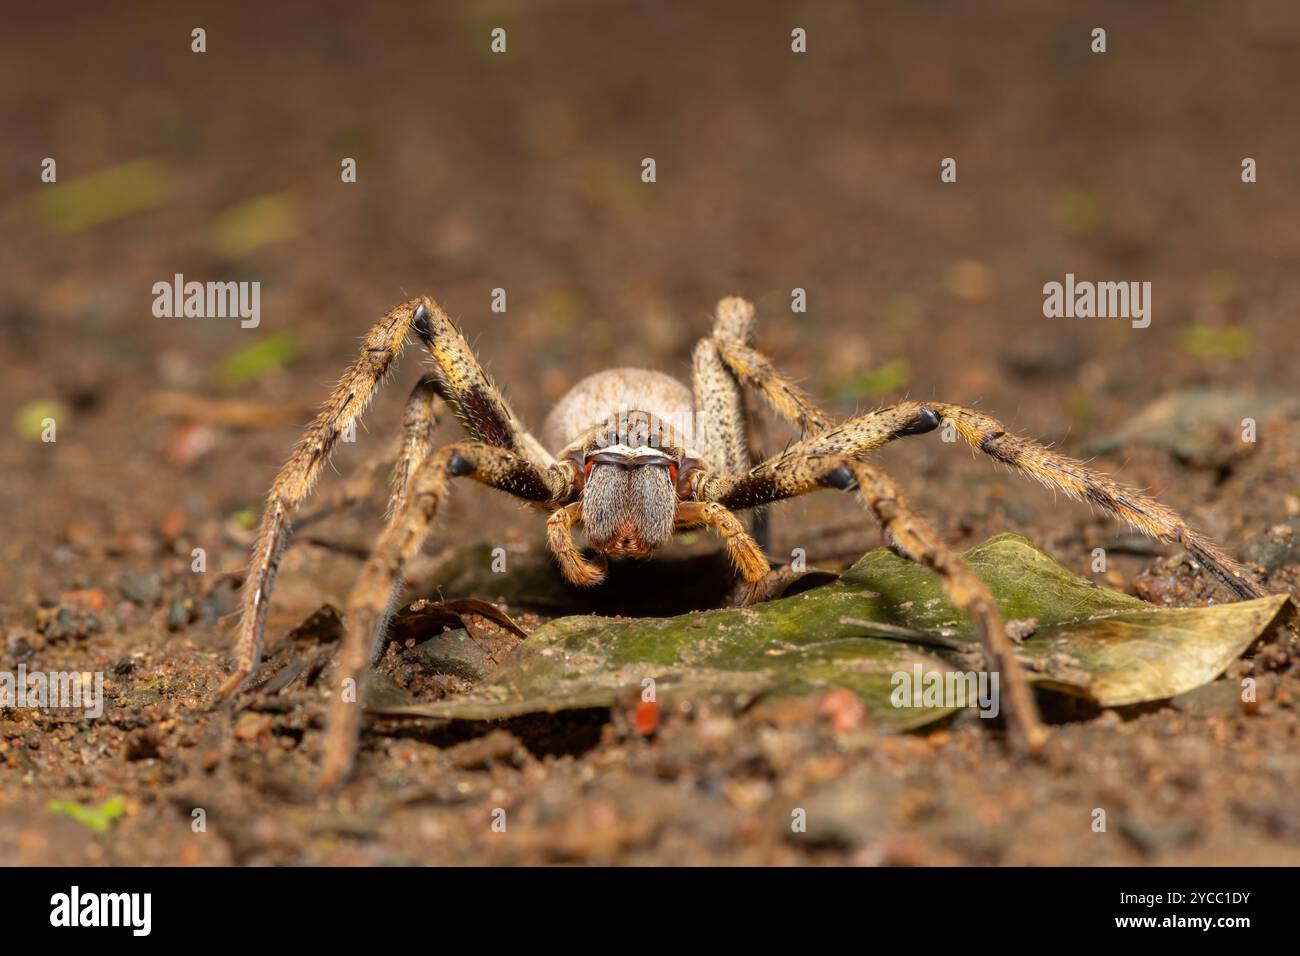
884,616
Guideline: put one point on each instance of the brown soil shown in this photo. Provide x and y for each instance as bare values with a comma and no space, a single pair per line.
522,171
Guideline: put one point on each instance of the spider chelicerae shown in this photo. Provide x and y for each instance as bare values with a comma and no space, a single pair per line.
632,456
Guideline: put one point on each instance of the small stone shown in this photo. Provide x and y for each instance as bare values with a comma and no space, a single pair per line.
1152,836
17,646
452,652
142,589
181,612
252,726
221,601
1276,547
66,624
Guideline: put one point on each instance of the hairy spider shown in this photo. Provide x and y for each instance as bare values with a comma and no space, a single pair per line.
638,456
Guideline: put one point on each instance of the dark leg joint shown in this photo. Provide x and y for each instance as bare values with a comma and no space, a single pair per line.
421,323
986,443
841,477
459,466
925,421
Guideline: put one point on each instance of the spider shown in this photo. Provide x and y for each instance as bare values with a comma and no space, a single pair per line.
632,456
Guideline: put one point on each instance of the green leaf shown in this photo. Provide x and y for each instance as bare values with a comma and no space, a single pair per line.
885,616
252,223
1079,212
101,197
253,361
1210,342
98,819
891,377
29,421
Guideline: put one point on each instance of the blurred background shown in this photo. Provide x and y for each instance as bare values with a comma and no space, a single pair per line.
522,171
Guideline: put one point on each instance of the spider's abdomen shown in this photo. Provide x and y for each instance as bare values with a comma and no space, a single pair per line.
599,397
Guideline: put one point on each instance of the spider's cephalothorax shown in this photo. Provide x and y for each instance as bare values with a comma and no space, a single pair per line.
630,456
632,468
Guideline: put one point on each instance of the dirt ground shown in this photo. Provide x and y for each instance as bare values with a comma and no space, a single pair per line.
522,171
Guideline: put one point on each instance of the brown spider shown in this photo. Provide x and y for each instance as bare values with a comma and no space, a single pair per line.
637,457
